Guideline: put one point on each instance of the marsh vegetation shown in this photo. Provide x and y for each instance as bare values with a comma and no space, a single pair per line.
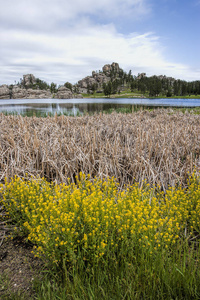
129,228
160,146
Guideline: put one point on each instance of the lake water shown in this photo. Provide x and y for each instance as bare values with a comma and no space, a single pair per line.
79,106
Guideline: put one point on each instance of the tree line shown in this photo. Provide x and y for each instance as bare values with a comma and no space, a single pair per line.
153,86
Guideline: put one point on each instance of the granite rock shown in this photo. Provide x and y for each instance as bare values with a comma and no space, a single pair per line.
64,93
28,80
4,92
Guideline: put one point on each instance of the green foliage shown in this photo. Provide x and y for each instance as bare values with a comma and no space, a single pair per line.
107,88
68,85
102,243
94,87
162,85
42,85
169,93
53,88
154,86
112,87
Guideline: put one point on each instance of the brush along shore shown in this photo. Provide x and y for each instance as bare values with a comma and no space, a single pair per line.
161,146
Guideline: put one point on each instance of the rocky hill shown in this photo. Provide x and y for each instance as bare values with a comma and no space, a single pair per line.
34,88
95,82
31,87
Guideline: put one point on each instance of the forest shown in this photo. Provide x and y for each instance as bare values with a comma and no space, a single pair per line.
153,86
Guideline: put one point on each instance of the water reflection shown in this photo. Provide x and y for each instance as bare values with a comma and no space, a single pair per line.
42,107
67,109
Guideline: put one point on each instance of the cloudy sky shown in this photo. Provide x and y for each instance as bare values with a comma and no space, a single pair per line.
65,40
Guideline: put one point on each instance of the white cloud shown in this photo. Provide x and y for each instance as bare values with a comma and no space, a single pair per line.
61,41
47,14
77,53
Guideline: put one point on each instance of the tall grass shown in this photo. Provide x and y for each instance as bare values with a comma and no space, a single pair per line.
160,146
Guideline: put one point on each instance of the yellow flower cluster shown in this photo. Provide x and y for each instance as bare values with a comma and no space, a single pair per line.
94,219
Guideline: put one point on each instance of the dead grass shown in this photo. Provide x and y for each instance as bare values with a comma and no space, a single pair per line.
159,146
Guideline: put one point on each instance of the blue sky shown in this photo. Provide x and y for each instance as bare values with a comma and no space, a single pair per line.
66,40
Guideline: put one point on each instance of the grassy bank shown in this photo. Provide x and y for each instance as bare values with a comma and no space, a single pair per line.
137,94
102,243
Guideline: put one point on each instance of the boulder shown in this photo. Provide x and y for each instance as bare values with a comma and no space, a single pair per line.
4,92
18,92
38,94
28,80
64,93
106,68
114,67
21,93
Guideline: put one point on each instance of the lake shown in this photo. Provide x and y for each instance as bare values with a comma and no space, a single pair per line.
40,107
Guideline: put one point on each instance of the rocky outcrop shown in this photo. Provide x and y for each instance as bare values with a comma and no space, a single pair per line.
113,68
63,93
38,94
18,93
96,81
89,83
28,80
4,92
31,87
21,93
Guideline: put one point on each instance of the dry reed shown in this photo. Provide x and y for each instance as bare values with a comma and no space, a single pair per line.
158,146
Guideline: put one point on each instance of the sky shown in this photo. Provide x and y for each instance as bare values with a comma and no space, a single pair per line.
65,40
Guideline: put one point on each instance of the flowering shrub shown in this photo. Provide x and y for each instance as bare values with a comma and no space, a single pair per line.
94,220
